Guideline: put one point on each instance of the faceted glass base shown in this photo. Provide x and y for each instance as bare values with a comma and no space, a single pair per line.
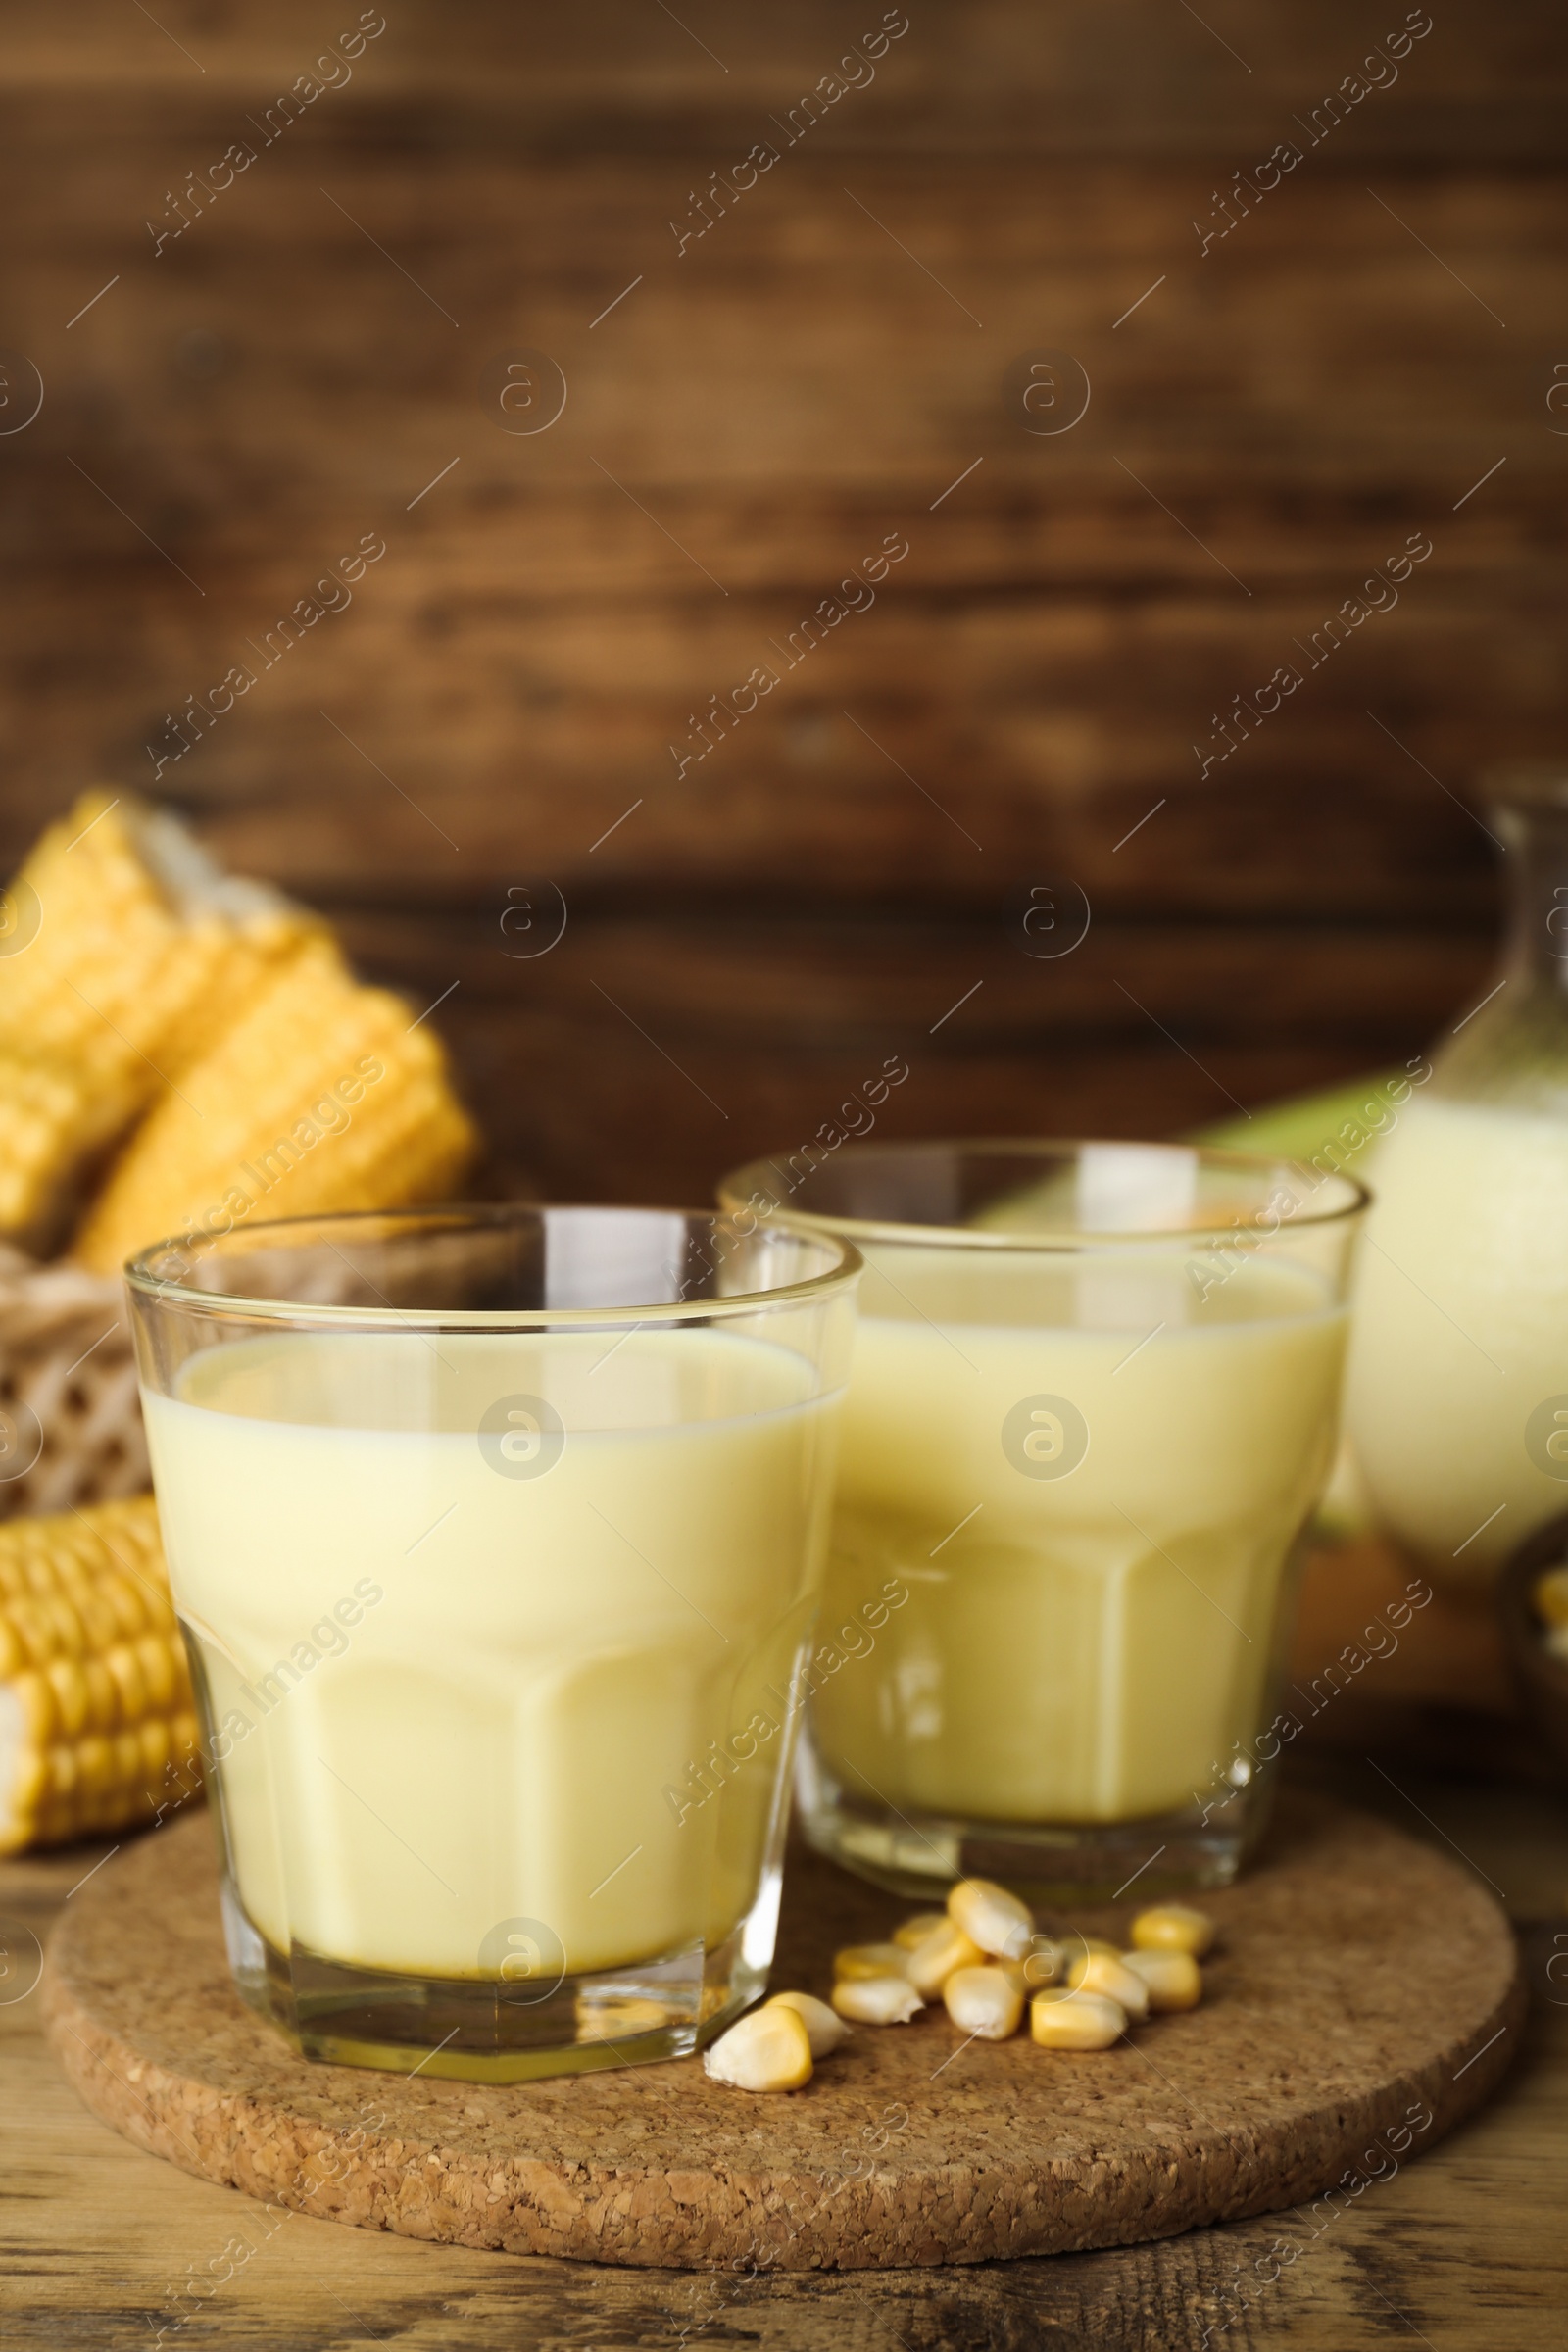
920,1855
483,2031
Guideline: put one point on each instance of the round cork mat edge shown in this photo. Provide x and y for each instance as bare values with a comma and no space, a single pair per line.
1361,2000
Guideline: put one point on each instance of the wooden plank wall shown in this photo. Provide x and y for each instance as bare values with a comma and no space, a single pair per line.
836,364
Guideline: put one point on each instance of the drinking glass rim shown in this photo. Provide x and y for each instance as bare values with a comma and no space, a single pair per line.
456,1216
862,1230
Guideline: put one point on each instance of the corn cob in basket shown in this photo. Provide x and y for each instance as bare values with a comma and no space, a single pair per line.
124,953
212,1031
321,1095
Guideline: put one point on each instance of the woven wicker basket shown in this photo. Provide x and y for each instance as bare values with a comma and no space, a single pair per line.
70,1428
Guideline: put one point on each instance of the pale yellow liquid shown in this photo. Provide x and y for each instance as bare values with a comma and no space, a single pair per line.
1086,1648
1462,1330
547,1652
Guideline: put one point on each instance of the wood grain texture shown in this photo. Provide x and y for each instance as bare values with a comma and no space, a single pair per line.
1037,687
643,1055
1464,2246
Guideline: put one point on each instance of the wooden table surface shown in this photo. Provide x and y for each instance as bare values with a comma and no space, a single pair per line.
1464,2250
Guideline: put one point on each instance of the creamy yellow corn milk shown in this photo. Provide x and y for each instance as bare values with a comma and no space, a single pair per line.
1457,1399
1091,1478
451,1680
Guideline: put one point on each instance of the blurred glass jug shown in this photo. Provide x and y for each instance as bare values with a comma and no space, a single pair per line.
1457,1407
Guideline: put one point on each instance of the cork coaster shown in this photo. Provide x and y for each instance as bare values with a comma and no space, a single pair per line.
1364,1997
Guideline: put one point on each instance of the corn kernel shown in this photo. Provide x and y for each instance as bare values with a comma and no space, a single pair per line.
161,1668
984,2002
932,1961
997,1921
826,2031
127,1768
1173,1927
869,1960
1076,2021
877,2000
132,1696
103,1697
30,1790
1108,1974
770,2049
35,1704
915,1929
95,1761
152,1737
1174,1978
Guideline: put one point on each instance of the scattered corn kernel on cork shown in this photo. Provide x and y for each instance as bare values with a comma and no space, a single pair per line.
1059,2020
982,1986
1173,1927
870,1960
992,1917
877,2000
97,1721
983,1958
825,2029
915,1929
1107,1973
767,2049
938,1956
323,1097
1174,1978
985,2002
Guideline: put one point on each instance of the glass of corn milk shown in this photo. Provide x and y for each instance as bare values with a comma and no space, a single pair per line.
1456,1405
1093,1405
497,1536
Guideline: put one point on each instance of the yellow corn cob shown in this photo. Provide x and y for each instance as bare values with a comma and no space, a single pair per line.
97,1726
51,1116
322,1096
125,955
